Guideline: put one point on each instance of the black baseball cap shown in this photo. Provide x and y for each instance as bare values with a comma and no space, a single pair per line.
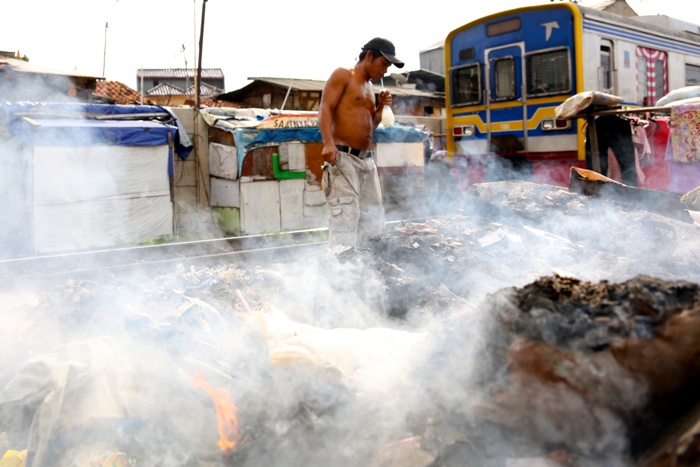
386,48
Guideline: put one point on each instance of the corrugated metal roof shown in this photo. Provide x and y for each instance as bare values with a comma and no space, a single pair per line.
21,66
297,84
399,91
437,45
209,73
218,103
317,85
633,21
205,90
165,89
602,5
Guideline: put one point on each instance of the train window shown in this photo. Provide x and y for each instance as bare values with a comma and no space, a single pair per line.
467,54
659,78
606,67
548,72
503,27
641,78
652,82
692,75
466,84
504,78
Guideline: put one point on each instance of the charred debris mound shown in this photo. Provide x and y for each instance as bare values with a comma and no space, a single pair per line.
532,327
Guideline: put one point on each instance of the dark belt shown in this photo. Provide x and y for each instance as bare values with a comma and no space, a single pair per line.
354,152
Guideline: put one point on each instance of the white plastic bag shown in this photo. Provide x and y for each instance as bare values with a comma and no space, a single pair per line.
387,117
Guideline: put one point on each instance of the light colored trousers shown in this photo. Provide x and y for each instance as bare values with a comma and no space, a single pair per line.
353,219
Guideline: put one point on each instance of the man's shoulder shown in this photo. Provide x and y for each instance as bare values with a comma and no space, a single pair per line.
341,74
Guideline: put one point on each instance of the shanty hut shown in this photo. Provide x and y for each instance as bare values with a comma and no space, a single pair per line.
98,180
266,168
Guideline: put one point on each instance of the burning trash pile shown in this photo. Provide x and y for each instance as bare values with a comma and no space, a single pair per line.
535,327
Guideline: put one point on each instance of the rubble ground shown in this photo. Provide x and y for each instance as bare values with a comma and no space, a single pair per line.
534,326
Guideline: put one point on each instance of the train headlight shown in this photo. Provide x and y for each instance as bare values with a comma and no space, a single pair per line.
464,130
549,124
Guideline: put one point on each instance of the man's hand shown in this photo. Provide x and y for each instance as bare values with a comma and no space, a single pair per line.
330,153
385,98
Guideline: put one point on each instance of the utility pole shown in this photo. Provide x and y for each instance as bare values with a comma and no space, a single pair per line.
187,75
197,102
199,64
104,57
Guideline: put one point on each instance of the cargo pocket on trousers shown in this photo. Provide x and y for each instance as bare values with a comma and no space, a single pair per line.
325,180
344,214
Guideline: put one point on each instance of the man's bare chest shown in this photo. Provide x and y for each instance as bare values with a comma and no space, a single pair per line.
359,96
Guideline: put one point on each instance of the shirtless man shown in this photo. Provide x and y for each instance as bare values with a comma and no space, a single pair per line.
347,119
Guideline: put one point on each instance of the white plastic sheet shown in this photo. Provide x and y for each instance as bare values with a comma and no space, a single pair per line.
99,196
101,223
223,161
69,174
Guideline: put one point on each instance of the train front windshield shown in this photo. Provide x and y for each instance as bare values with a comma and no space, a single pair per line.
506,75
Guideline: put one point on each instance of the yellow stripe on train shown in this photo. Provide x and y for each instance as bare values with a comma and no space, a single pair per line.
515,125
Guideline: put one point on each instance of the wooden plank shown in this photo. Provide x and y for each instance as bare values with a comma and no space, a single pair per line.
590,183
184,172
593,134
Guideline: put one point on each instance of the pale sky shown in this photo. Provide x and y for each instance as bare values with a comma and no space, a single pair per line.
273,38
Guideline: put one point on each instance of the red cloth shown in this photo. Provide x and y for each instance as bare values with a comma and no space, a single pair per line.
657,174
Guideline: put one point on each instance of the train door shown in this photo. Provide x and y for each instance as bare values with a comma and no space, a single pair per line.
506,104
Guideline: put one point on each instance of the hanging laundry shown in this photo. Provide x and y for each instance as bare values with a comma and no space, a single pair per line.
641,143
615,133
684,142
657,173
682,177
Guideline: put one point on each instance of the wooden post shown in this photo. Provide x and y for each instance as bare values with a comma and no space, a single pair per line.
171,145
593,134
197,101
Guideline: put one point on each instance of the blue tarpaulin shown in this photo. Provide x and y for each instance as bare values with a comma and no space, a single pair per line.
74,111
71,132
250,138
10,108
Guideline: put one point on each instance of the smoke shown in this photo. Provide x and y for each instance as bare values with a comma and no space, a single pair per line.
322,374
35,87
193,222
353,357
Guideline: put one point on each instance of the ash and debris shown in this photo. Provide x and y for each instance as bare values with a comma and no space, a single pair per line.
501,335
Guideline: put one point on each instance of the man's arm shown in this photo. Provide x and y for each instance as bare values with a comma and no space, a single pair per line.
332,92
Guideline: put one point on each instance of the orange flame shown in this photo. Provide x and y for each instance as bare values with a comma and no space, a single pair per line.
225,412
